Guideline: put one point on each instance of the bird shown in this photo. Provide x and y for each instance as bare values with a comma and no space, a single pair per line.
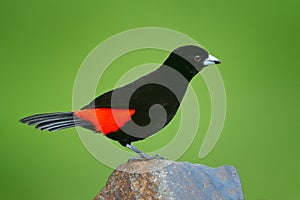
139,109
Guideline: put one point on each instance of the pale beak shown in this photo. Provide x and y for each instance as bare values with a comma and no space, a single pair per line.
211,60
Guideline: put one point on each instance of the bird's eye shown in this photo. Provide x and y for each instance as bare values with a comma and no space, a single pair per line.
197,58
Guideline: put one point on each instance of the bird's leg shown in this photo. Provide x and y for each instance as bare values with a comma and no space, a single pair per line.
133,148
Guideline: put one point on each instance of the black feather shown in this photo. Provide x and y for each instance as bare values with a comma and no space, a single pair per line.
53,121
45,116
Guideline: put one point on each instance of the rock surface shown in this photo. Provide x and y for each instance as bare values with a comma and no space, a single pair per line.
164,179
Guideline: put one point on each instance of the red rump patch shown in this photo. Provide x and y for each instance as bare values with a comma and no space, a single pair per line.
106,120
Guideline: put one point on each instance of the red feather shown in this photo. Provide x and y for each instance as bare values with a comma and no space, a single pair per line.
106,120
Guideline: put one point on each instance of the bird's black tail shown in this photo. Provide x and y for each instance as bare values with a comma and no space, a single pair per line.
53,121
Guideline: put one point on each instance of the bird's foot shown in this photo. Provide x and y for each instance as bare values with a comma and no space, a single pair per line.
143,156
158,156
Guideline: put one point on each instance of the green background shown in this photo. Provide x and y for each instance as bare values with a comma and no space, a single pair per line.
43,44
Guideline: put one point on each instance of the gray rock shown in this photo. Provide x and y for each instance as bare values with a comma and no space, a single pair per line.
165,179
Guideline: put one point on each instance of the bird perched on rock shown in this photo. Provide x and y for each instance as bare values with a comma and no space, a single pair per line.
139,109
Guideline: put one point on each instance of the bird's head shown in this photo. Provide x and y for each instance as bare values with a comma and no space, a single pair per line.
196,56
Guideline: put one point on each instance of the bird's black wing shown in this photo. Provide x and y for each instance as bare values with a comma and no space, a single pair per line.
142,94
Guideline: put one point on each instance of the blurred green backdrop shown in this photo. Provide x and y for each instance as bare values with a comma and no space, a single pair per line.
43,44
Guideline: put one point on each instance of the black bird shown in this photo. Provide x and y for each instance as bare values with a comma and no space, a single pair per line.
139,109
